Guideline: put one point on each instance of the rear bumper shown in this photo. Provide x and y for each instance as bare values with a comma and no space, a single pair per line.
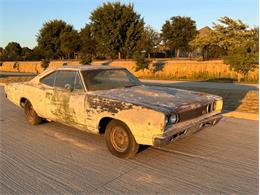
189,128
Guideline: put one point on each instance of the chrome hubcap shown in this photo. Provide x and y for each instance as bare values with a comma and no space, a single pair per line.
119,139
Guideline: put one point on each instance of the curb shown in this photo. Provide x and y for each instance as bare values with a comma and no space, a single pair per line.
242,115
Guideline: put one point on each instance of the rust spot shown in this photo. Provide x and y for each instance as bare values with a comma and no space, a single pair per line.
101,104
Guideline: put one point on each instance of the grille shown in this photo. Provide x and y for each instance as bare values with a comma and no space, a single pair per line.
191,114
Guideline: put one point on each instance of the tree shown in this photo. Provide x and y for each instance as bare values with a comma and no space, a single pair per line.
27,53
150,40
237,41
229,33
2,54
70,43
13,51
37,54
206,47
117,29
87,43
244,57
49,39
178,32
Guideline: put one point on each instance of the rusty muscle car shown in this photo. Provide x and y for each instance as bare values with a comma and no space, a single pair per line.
111,101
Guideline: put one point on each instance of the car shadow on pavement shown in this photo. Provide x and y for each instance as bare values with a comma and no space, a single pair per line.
73,136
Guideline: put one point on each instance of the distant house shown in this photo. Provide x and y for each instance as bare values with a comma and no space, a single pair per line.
164,51
204,31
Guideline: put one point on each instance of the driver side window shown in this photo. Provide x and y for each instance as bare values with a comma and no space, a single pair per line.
67,78
63,78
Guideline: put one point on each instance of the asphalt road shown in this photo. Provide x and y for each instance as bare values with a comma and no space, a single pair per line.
10,74
208,85
53,158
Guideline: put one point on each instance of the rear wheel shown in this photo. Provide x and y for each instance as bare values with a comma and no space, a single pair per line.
120,141
30,114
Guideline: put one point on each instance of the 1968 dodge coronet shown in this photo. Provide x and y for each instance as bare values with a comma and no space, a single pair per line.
111,101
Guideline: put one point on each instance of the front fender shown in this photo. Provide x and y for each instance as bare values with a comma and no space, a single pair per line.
143,122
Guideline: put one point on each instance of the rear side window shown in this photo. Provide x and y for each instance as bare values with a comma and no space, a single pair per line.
49,79
65,77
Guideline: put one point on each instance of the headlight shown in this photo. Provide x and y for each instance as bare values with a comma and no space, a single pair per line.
173,118
214,106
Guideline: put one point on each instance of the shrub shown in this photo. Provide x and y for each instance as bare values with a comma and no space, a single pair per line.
36,70
242,60
141,62
65,64
45,64
199,58
16,66
86,59
158,66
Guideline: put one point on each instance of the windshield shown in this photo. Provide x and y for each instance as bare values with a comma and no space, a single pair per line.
109,79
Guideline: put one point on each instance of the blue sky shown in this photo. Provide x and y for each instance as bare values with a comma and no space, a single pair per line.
20,20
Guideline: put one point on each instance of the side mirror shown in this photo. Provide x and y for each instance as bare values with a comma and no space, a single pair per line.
68,87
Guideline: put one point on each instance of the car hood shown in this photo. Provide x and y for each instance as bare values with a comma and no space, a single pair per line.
162,99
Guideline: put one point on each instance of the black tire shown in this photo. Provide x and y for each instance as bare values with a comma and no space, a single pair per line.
119,140
30,114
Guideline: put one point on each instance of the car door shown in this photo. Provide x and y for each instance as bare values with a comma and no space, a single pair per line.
77,101
68,98
46,88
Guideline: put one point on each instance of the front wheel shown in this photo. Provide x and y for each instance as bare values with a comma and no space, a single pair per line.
30,114
120,141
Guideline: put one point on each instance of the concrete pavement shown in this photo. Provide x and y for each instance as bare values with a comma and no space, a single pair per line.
52,159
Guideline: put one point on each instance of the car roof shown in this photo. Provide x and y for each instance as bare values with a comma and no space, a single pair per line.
75,68
88,67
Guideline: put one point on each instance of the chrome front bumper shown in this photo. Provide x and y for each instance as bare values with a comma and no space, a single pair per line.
182,130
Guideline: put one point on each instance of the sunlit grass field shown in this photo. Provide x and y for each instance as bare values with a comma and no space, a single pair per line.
214,70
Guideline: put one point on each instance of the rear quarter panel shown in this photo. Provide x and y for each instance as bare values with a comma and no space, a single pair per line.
16,91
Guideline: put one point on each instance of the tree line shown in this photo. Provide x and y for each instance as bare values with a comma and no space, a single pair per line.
116,31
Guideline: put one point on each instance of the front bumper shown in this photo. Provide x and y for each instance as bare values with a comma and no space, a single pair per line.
185,129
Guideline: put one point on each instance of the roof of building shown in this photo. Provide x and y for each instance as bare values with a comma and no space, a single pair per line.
204,31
